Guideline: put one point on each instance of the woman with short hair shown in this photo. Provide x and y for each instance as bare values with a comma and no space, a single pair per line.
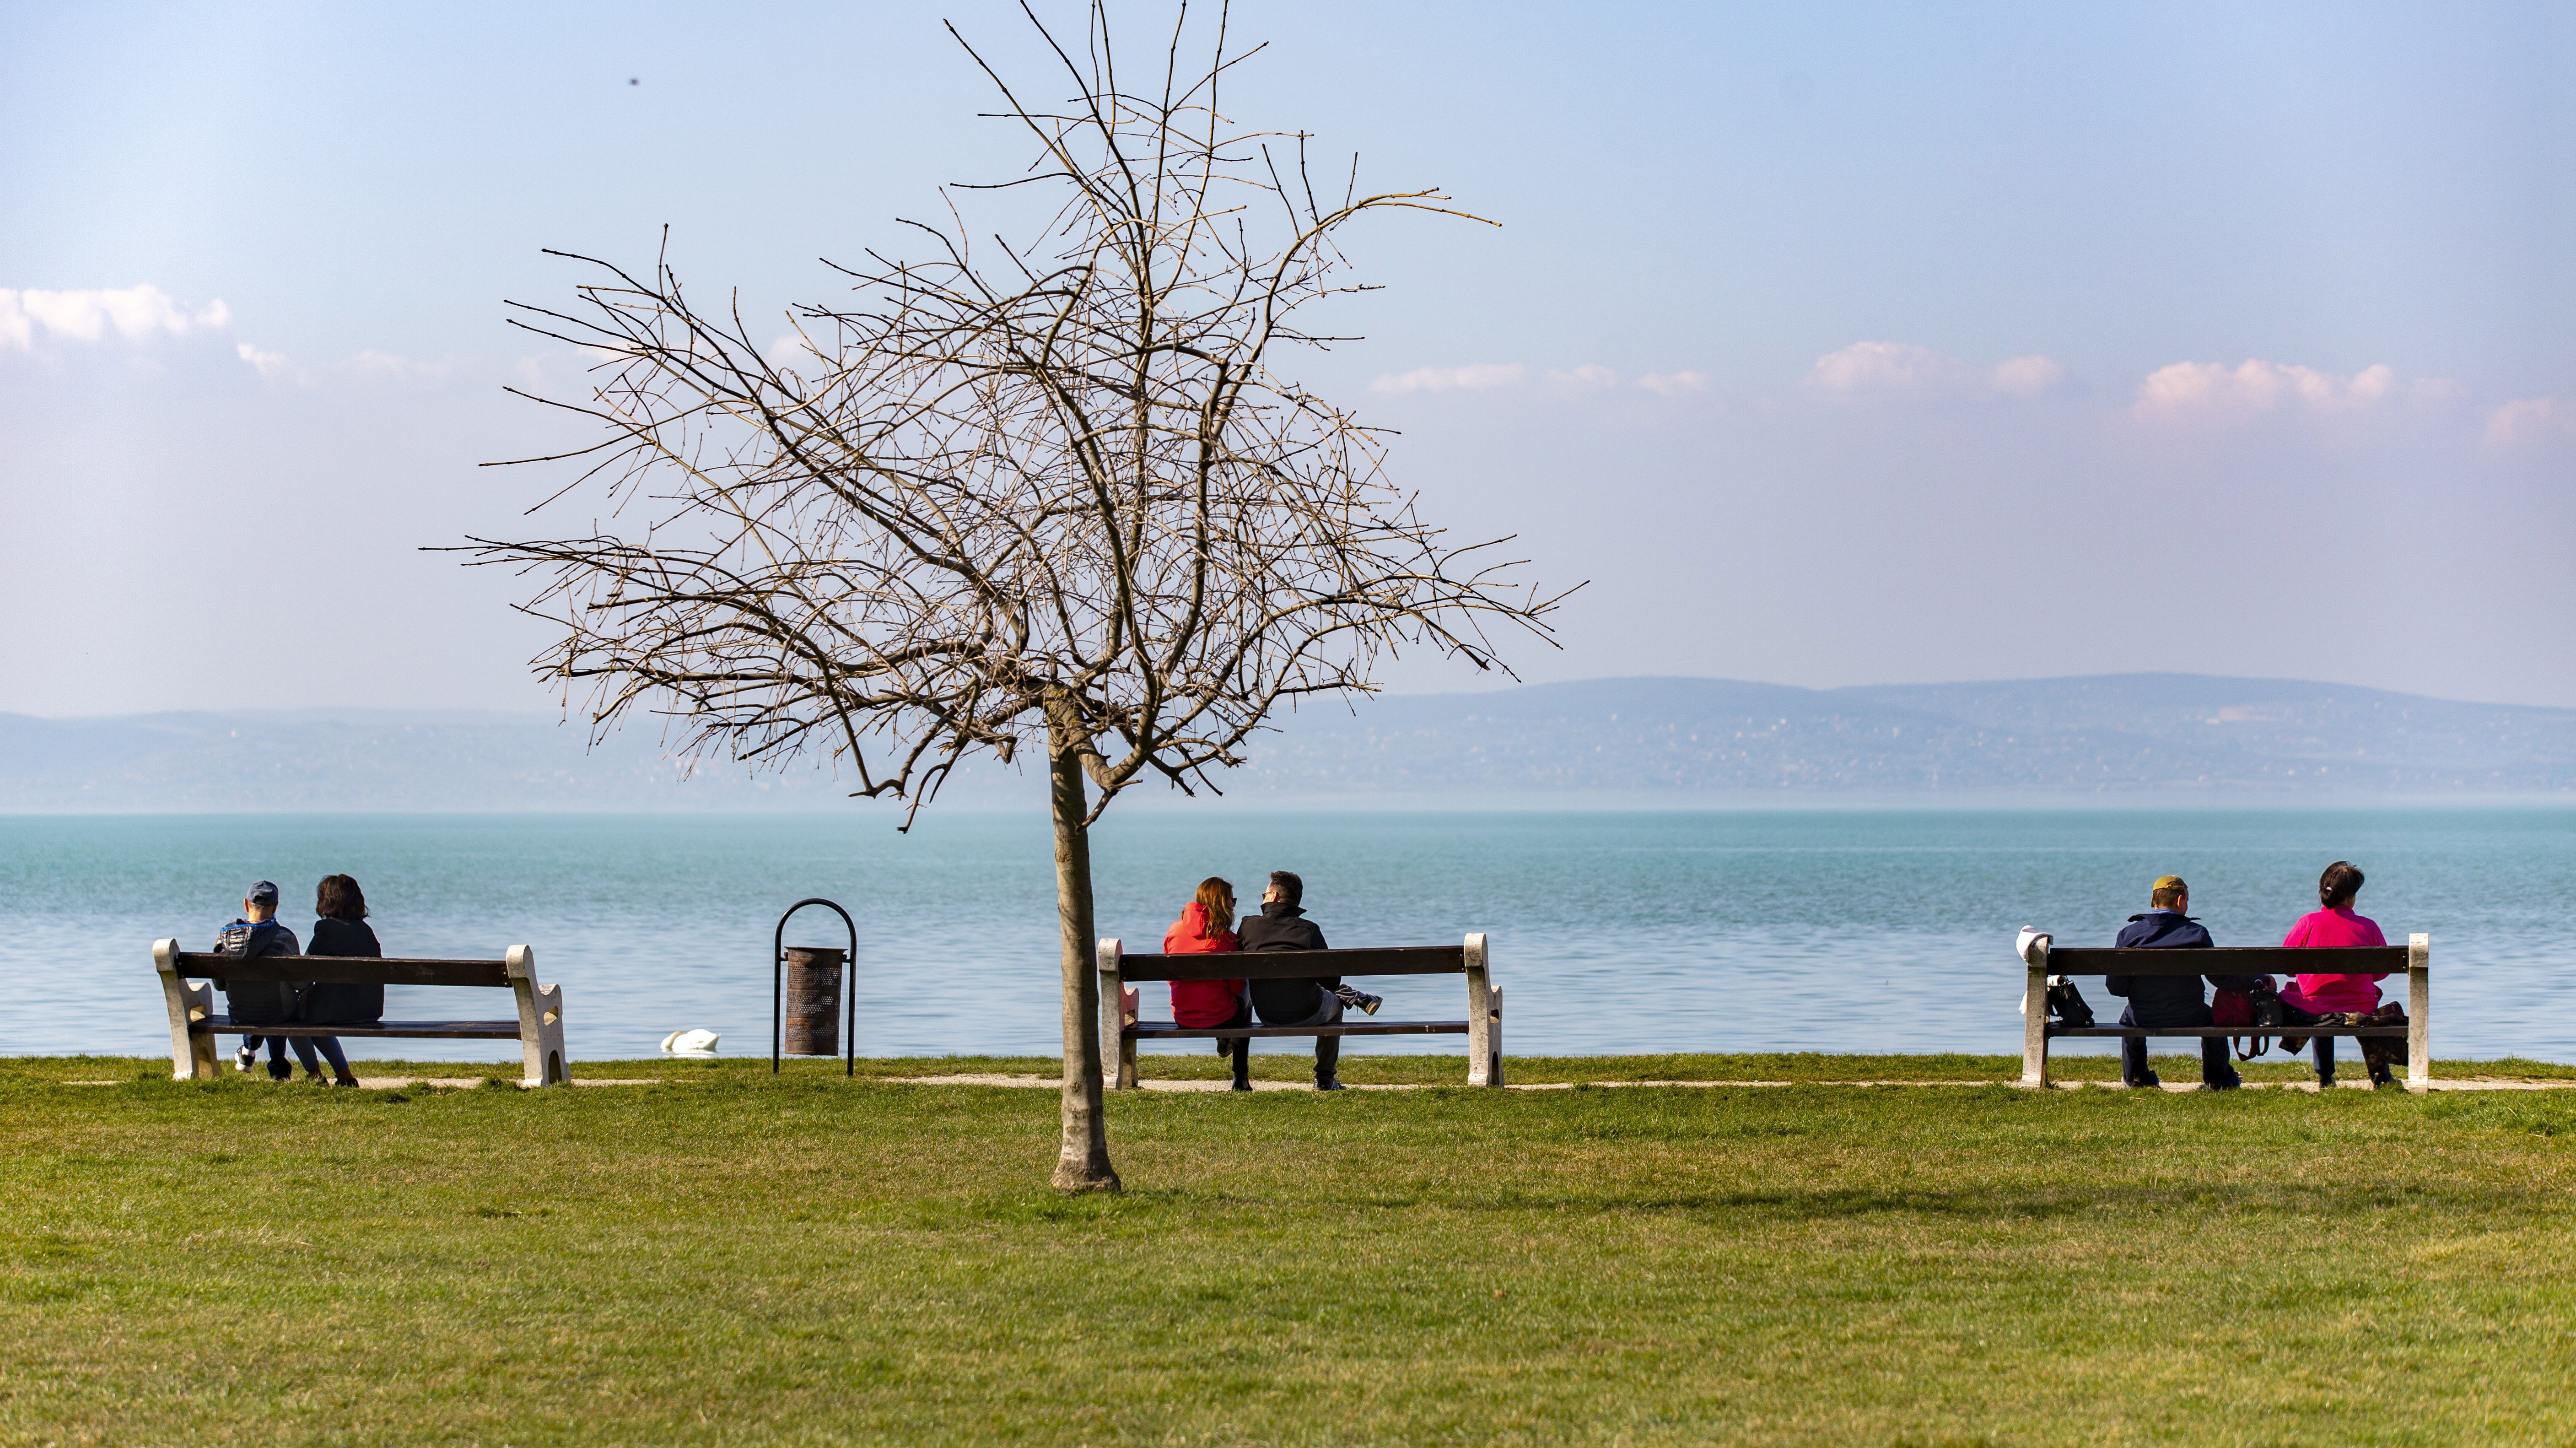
342,930
2311,998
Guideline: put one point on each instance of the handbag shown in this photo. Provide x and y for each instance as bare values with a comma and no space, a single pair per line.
2256,1004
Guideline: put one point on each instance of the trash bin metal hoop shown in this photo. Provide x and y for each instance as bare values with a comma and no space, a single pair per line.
778,986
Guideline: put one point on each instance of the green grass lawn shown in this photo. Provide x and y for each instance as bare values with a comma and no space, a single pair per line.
728,1258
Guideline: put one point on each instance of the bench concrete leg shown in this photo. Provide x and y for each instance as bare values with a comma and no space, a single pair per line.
192,1055
1480,1008
2034,1021
2419,1012
541,1041
1117,1048
1497,994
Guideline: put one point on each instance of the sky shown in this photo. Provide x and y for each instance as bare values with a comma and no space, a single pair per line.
1826,344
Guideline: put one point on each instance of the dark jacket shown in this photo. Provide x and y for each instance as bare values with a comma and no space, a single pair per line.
1284,927
2165,1000
340,1003
258,1002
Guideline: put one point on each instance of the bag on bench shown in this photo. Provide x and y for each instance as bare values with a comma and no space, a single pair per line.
2257,1005
2066,1004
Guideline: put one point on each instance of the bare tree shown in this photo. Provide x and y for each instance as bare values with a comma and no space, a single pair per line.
1054,490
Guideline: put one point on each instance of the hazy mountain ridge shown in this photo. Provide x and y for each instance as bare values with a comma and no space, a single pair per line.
2121,734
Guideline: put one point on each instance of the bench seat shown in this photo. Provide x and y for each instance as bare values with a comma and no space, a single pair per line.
1120,1028
2413,960
194,1023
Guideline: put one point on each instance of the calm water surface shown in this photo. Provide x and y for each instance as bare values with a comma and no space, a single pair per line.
1826,930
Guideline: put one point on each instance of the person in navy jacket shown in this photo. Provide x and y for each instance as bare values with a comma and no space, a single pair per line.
259,1002
2168,1000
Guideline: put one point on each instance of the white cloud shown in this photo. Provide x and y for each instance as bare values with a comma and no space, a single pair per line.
402,369
1886,367
87,316
1590,374
271,365
2214,388
1903,369
1474,377
1673,384
2030,376
2529,419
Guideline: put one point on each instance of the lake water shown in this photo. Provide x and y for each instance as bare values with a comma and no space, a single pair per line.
1817,929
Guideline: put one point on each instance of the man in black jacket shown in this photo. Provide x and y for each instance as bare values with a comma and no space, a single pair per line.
1309,1001
2168,1000
259,1002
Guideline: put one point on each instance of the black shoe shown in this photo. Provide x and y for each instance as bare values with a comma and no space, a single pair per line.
281,1073
245,1058
1358,1000
1224,1047
2148,1082
1330,1083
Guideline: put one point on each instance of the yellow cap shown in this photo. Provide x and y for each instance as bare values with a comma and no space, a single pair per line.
2171,882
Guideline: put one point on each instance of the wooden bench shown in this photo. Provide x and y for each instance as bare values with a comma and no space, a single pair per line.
2414,958
1483,1025
194,1024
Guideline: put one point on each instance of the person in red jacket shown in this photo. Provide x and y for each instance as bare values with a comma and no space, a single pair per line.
1206,927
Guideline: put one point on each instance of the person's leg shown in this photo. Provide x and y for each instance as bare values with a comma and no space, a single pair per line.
278,1069
329,1046
1328,1049
304,1056
2133,1054
247,1055
2217,1072
1242,1047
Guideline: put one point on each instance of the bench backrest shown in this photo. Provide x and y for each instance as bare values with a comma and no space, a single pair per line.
345,969
2231,960
1296,964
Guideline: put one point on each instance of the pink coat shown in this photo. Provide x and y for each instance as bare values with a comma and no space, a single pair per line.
2323,993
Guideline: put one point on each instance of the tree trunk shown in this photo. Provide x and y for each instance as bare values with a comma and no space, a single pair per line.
1083,1164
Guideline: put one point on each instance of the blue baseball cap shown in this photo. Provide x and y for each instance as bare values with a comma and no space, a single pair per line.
261,892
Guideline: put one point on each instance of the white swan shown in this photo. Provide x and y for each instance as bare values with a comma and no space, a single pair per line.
690,1043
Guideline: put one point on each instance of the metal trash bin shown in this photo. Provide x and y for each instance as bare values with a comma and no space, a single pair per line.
815,976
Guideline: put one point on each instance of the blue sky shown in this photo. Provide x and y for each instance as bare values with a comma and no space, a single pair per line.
1833,344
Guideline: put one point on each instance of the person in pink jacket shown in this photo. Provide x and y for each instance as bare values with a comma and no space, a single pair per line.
2312,996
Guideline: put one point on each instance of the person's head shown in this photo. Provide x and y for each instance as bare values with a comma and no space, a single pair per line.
259,902
1285,888
1216,897
2338,885
2170,893
339,898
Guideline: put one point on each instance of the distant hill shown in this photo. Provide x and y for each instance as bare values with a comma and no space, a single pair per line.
2128,734
2120,733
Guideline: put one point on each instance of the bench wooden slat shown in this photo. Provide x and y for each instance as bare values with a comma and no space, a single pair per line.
1159,1032
425,1030
2228,1031
2230,960
346,969
1296,964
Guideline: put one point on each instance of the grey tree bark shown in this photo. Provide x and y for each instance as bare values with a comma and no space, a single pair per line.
1083,1161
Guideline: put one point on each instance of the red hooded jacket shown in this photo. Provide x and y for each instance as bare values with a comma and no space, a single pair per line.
1201,1003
